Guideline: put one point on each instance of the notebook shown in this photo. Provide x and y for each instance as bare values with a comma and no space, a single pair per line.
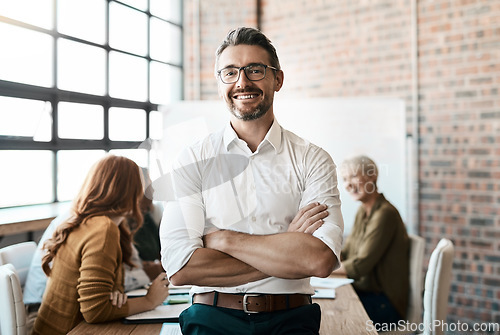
170,329
161,314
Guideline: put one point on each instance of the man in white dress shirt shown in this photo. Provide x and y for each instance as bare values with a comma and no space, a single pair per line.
257,209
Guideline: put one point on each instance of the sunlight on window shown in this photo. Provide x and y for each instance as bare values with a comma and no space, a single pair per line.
139,4
97,68
39,13
167,9
165,83
128,29
127,124
139,156
72,167
155,125
128,77
165,42
74,18
81,67
81,121
26,178
23,117
29,61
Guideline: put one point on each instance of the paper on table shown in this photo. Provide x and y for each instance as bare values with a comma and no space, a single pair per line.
174,290
324,293
162,312
170,329
330,282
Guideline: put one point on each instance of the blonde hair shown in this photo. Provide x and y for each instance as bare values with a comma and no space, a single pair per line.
113,187
360,166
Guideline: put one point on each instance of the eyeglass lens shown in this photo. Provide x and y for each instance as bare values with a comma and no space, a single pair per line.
253,72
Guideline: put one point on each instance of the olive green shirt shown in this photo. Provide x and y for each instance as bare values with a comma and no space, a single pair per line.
376,253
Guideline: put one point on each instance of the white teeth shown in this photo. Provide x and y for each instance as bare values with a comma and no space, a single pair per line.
249,96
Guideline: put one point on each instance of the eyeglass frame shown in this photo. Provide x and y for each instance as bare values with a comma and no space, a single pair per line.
244,71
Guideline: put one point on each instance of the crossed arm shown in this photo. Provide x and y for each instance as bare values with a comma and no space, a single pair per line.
231,258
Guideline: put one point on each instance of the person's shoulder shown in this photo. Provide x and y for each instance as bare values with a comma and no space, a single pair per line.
294,138
387,205
388,210
100,223
311,151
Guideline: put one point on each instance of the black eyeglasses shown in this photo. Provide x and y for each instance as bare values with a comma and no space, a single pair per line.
254,72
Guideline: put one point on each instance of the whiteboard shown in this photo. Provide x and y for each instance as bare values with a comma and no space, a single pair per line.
344,127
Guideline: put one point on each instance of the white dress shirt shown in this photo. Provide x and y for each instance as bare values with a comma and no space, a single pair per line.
220,184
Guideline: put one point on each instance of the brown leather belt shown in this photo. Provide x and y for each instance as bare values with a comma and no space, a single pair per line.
253,303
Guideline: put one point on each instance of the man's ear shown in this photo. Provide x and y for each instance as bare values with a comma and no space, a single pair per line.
280,77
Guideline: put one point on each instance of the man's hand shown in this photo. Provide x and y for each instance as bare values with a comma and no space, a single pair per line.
309,218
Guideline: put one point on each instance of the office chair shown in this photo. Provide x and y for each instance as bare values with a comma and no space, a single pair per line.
414,312
19,255
437,286
12,310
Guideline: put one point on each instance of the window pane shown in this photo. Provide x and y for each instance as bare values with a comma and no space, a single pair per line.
167,9
28,59
24,117
128,29
139,156
27,178
155,125
80,121
35,12
81,67
127,124
139,4
72,168
166,83
83,19
165,41
128,77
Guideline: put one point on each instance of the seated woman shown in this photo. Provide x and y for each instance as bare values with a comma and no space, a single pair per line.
89,250
376,253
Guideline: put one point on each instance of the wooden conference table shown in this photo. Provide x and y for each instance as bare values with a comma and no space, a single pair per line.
343,315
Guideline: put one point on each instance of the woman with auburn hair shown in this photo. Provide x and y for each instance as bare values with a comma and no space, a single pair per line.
87,253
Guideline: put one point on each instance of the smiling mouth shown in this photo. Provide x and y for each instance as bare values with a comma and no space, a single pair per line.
245,96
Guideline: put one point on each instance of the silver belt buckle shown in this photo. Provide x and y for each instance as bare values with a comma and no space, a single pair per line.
245,302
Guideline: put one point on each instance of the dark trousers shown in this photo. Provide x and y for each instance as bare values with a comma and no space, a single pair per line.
378,307
209,320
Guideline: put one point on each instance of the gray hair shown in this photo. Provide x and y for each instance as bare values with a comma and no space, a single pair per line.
361,166
248,36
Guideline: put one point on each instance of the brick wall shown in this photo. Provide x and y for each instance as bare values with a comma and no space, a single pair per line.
459,62
349,48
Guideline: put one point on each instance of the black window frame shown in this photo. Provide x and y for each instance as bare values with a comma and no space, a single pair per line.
55,95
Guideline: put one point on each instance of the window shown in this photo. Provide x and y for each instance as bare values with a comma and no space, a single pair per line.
80,78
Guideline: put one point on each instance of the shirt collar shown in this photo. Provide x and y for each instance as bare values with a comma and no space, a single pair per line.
273,136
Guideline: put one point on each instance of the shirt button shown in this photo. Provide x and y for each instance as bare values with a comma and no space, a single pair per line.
254,218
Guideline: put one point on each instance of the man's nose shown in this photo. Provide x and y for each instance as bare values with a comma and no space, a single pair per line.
242,81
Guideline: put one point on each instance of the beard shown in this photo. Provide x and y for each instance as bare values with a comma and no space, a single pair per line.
255,114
